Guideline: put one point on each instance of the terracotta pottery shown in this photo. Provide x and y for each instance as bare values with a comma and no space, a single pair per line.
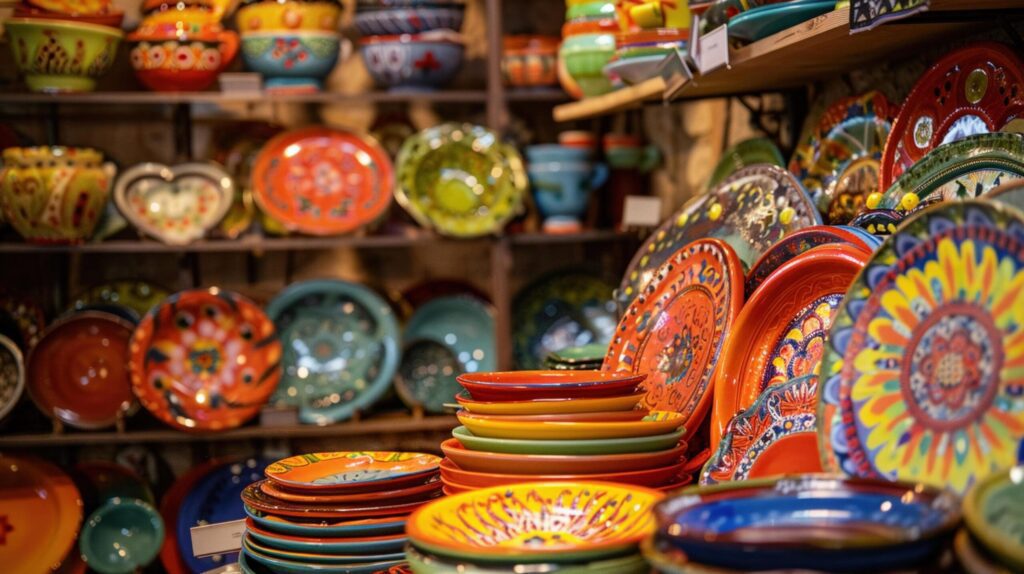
167,59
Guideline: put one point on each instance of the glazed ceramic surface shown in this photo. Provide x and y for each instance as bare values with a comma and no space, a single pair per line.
275,565
798,242
920,360
751,211
763,21
530,61
519,385
166,58
1010,193
633,71
549,406
54,194
256,16
584,57
205,360
408,19
340,348
61,55
493,462
781,332
292,61
40,516
12,375
562,191
341,470
121,536
427,375
321,528
745,154
675,330
460,180
972,558
993,513
564,447
421,563
255,498
172,559
421,61
650,477
368,545
975,89
139,296
656,423
556,522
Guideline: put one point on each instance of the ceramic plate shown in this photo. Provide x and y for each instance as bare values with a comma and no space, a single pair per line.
421,562
460,180
800,241
418,295
276,565
171,558
12,376
975,89
838,163
563,447
763,21
494,462
139,296
371,545
42,511
675,329
321,528
254,498
656,423
559,310
407,494
972,559
777,435
205,360
1010,193
549,406
315,557
745,154
994,513
960,170
920,362
22,321
751,211
650,477
340,345
519,385
322,181
614,416
344,470
582,355
78,373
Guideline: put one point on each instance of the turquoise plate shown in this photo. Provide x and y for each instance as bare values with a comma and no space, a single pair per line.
326,528
121,536
319,557
764,21
340,349
574,447
258,563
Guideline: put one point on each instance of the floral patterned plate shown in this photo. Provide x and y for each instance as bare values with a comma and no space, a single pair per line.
12,376
994,513
777,435
780,332
139,296
975,89
340,345
751,211
322,181
919,373
348,470
205,359
675,330
798,242
460,180
404,494
744,154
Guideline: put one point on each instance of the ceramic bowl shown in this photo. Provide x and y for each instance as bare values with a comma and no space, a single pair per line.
544,153
562,191
185,14
530,61
563,447
291,61
166,60
586,11
121,536
585,56
61,56
109,18
409,20
428,563
54,194
422,61
992,514
289,16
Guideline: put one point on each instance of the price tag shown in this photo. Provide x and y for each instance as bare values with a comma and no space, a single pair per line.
694,52
714,49
217,538
675,70
641,211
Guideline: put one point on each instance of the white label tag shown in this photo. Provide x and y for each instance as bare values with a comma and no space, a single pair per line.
675,70
714,49
641,211
217,538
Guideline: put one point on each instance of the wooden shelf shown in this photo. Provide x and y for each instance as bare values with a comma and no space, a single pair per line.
617,101
156,98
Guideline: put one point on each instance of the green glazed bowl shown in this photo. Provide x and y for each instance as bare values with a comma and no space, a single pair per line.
121,536
590,11
60,55
576,447
994,513
585,56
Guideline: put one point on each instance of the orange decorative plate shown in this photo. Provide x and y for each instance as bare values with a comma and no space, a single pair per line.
255,498
780,334
651,477
407,494
351,470
205,360
612,416
322,181
510,463
549,406
40,513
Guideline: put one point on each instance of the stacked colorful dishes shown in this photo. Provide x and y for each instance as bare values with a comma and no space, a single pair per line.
536,426
638,55
538,527
337,511
992,513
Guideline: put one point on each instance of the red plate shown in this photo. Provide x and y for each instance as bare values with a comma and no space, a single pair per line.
322,181
674,330
780,333
78,372
205,360
520,385
600,417
452,474
794,244
409,494
976,89
496,462
255,498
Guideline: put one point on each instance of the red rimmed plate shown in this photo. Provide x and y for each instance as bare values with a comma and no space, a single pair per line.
205,360
612,416
549,406
255,498
976,89
502,463
171,503
522,385
796,243
780,333
650,477
353,471
323,181
408,494
78,373
675,329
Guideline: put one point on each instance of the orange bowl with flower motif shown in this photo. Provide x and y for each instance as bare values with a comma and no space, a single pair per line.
167,59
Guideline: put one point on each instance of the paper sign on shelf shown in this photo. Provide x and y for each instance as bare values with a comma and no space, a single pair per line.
714,49
641,211
675,71
694,51
217,538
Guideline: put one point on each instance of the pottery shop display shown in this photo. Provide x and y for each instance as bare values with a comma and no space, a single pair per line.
530,61
167,58
58,56
293,61
413,61
54,194
562,180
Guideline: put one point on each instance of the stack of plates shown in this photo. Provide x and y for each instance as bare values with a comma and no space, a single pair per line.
992,541
583,358
534,426
579,527
335,512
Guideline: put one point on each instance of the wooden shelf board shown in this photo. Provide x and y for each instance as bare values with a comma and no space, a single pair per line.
619,100
142,97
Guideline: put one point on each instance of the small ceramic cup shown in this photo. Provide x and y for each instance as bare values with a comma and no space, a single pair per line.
562,191
121,536
295,61
578,139
547,153
626,152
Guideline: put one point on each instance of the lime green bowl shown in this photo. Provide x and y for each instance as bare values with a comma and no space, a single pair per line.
60,55
585,56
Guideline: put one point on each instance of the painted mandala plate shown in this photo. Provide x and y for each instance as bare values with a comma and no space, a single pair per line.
322,181
780,332
751,211
973,90
502,463
347,470
340,348
460,180
650,477
549,522
574,447
12,376
255,498
320,528
675,330
549,406
205,359
800,241
994,513
139,296
920,375
745,154
776,436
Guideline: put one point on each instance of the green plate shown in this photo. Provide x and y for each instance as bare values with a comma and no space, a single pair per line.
994,512
255,561
764,21
601,446
423,563
743,154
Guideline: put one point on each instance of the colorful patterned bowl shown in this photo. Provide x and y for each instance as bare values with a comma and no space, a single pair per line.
121,536
408,19
422,61
530,61
292,61
288,15
61,56
165,59
585,56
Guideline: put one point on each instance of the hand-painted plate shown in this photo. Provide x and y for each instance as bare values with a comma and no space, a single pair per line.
325,528
172,559
675,329
549,406
919,374
40,514
495,462
274,565
838,163
780,333
372,545
340,348
994,513
78,373
516,522
316,557
520,385
650,477
22,321
777,435
798,242
963,169
12,375
405,494
976,89
344,470
751,211
205,359
460,180
559,310
563,447
322,181
255,498
745,154
140,296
